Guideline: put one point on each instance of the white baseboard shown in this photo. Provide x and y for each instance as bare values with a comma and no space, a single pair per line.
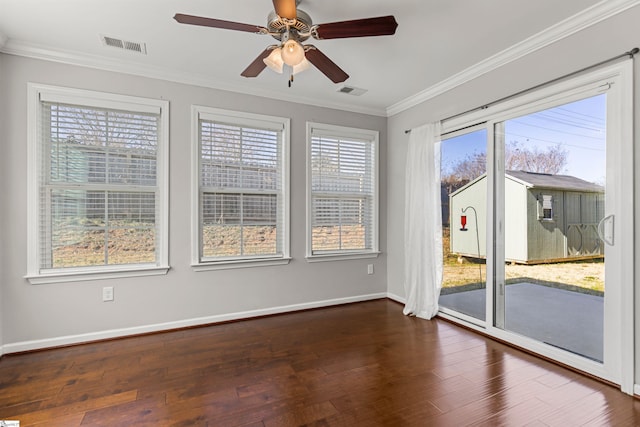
117,333
396,298
636,389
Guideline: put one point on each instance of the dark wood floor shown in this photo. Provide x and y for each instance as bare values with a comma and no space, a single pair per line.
356,365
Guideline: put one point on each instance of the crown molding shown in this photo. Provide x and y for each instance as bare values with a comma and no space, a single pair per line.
46,53
578,22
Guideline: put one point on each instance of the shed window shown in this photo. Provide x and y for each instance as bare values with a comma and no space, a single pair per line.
545,207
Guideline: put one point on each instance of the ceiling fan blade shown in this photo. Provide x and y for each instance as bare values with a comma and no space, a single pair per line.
285,8
380,26
257,65
218,23
325,65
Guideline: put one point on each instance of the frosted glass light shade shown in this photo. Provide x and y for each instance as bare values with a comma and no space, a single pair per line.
292,53
274,60
303,65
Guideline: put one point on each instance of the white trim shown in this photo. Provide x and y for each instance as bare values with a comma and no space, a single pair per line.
335,131
240,263
623,164
364,135
341,257
90,98
396,298
47,53
636,389
578,22
195,186
167,326
36,93
104,273
538,99
239,118
452,314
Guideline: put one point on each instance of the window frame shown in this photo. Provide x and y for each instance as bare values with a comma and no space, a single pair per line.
373,137
37,93
617,78
245,119
545,199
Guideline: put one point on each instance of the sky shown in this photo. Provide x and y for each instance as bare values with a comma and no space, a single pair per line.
578,127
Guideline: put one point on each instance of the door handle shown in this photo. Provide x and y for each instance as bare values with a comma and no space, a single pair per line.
606,228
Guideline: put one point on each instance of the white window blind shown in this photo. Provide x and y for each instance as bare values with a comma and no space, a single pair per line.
242,198
98,192
343,191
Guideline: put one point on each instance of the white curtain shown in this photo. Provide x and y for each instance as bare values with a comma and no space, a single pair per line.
423,223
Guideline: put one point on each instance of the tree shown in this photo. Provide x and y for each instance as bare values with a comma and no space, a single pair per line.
551,160
467,169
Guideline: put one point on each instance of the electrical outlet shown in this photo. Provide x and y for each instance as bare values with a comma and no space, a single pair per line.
370,269
107,293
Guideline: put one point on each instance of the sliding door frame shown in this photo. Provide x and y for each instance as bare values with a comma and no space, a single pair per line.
617,81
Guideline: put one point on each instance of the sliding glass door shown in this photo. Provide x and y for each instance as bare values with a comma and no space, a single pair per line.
554,183
464,196
538,231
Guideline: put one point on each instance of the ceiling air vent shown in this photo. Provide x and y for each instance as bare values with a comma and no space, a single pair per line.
350,90
124,44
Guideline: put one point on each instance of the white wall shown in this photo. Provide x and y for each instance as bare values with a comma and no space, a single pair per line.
53,314
597,43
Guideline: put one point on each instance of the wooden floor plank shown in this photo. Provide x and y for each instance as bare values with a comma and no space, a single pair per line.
358,364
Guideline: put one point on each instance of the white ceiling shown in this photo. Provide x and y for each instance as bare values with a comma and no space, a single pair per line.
438,43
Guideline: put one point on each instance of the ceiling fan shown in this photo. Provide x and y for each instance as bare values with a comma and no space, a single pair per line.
291,26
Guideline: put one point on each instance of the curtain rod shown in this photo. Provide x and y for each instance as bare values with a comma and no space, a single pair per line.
630,54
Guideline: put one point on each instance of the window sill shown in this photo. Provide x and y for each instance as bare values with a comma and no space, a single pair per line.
341,257
97,274
239,263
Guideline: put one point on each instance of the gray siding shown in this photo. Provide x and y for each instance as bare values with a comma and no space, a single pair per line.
546,238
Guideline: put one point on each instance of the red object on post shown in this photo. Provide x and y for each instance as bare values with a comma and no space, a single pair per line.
463,222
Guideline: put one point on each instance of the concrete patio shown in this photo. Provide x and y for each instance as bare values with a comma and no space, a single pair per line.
569,320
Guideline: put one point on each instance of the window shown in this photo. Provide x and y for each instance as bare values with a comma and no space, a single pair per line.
545,206
241,199
342,165
97,169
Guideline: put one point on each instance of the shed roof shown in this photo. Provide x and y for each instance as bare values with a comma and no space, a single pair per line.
543,180
558,182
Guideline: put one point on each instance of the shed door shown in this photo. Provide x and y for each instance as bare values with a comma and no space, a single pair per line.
584,211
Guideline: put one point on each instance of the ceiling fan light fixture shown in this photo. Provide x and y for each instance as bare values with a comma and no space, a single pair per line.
291,27
292,53
303,65
274,60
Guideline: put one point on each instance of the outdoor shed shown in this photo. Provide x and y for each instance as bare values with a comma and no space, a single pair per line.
548,218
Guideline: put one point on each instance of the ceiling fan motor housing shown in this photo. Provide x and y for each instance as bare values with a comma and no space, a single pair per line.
299,28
